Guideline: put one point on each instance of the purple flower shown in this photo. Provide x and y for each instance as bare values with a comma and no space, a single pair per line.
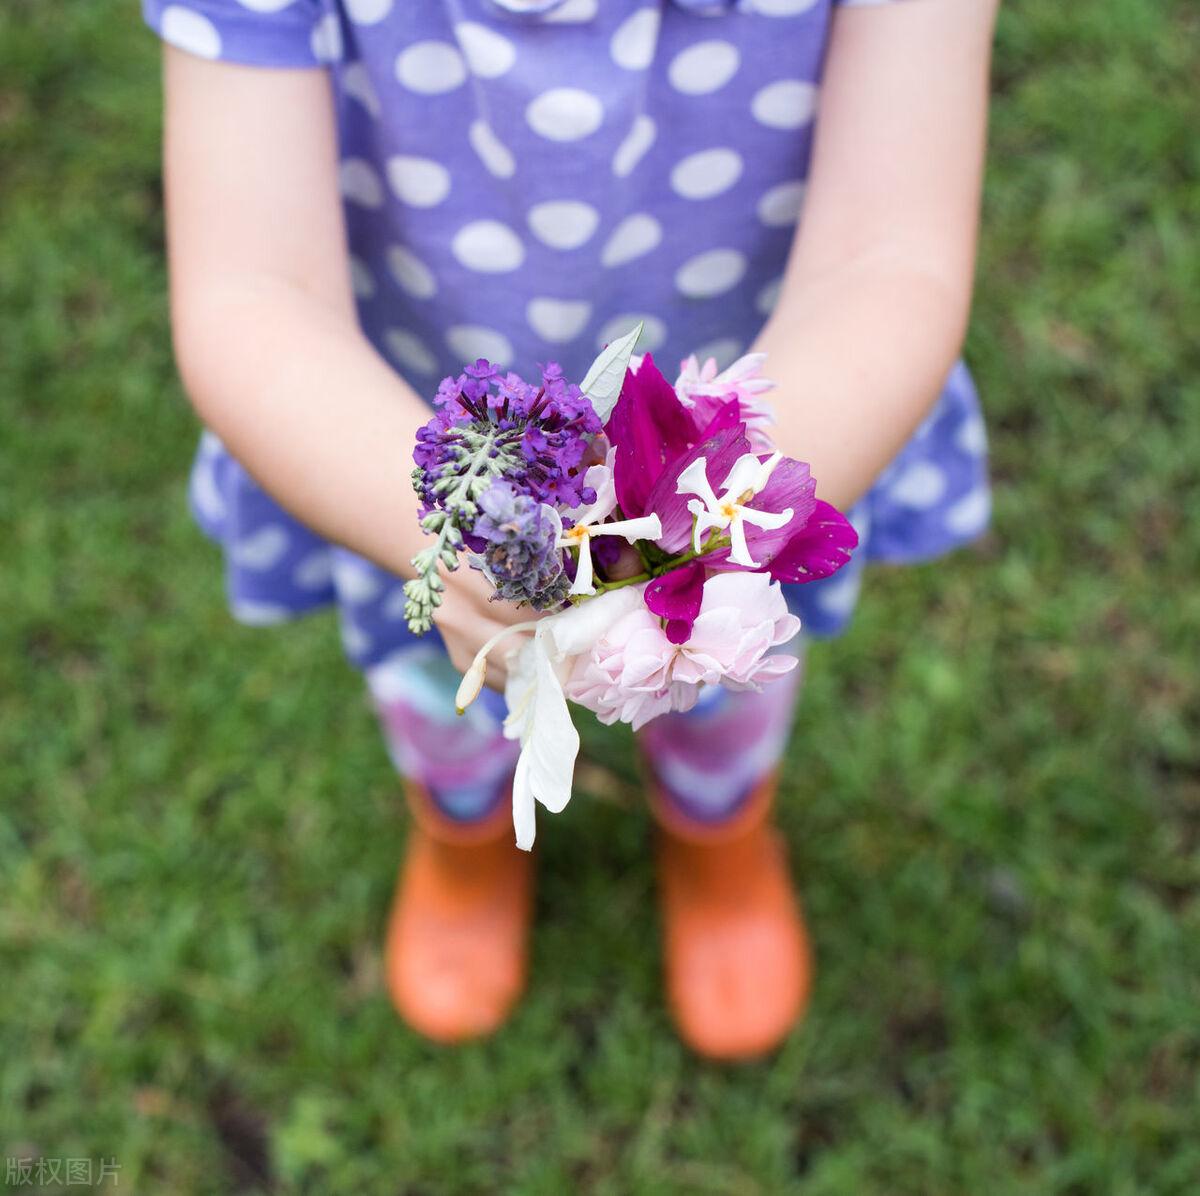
518,535
537,436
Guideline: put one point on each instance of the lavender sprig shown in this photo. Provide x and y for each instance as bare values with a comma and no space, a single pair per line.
491,426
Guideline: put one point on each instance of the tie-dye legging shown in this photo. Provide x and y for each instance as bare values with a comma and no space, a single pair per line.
706,761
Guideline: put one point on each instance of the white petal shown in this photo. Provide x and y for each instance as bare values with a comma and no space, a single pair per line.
741,477
739,553
694,480
583,569
767,520
524,818
644,527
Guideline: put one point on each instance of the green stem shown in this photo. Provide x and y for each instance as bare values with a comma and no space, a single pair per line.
713,542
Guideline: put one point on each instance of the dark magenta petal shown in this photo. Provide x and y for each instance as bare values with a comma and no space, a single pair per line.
822,547
721,451
728,415
650,427
676,597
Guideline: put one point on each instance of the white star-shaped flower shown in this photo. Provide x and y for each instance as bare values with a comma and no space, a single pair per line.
589,522
730,511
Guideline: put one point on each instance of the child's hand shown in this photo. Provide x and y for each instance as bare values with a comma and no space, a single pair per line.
466,619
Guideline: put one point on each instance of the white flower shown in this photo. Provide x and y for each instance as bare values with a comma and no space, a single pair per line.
731,511
538,715
589,522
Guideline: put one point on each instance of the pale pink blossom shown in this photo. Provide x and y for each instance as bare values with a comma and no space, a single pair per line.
707,390
633,673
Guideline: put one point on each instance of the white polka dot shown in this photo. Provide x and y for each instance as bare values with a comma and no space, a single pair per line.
633,44
408,350
368,12
787,104
393,605
488,54
725,350
488,246
920,486
573,12
780,206
361,280
711,273
259,614
326,39
315,571
469,342
431,67
356,83
768,297
706,173
265,5
970,513
782,8
631,151
262,549
421,182
634,236
493,153
189,31
654,331
837,597
563,223
971,437
411,274
356,581
704,67
558,320
360,184
565,114
355,640
205,494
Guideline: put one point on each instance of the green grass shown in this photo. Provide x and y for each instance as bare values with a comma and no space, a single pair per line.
994,801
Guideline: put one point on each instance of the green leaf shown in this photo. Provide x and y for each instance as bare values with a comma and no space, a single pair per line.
603,381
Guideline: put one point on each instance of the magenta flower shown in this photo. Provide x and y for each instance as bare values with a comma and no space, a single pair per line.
763,507
651,429
676,597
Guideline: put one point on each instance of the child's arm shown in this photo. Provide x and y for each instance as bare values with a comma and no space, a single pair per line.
875,300
264,326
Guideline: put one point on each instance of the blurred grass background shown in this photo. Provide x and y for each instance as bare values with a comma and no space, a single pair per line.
993,795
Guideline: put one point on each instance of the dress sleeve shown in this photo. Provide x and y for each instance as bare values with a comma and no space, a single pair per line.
278,33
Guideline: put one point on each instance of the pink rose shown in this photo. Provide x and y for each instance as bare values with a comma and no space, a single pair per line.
633,672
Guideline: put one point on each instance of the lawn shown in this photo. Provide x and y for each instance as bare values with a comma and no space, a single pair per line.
993,796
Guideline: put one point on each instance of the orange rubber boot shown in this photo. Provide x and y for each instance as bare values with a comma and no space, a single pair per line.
737,956
458,936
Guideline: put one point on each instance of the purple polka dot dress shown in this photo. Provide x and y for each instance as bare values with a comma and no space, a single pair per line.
525,179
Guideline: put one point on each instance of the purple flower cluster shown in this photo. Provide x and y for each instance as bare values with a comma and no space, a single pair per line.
537,435
518,534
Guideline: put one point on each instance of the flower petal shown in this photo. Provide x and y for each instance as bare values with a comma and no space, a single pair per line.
819,549
650,427
676,597
720,452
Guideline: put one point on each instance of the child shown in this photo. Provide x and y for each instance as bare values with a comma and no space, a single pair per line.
522,180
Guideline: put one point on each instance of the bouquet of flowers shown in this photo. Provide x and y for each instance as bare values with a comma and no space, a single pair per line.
537,485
